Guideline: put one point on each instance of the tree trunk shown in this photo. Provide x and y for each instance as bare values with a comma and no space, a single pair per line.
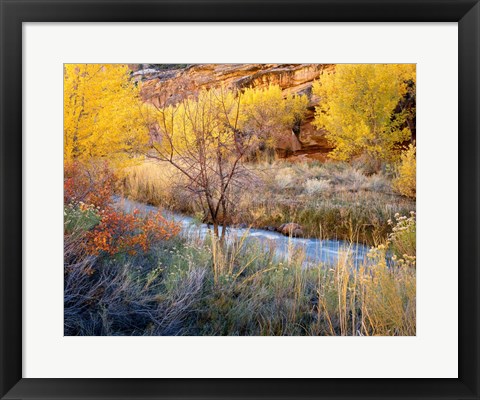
215,229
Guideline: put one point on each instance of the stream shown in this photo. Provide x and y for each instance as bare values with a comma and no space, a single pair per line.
315,250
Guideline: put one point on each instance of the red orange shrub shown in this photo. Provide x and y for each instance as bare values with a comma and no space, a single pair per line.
128,233
94,184
89,190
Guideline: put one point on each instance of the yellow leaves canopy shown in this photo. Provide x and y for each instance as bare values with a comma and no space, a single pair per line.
204,122
268,113
103,114
356,107
215,116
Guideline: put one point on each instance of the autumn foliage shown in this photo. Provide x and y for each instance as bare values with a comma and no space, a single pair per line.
88,196
356,108
405,181
128,233
92,185
104,117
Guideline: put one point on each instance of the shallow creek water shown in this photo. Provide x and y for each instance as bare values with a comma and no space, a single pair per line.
315,250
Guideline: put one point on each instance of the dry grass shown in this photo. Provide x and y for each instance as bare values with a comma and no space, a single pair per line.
119,297
158,184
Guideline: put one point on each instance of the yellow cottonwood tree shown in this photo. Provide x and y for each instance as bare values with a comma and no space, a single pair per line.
208,136
263,115
103,114
356,108
200,138
268,113
202,121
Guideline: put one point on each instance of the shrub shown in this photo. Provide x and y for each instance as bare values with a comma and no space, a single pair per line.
80,217
285,179
89,184
350,179
315,186
403,237
378,183
405,181
128,233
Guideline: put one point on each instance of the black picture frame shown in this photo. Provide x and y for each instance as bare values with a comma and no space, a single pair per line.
15,12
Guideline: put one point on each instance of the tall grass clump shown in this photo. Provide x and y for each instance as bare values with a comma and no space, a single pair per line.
158,184
124,296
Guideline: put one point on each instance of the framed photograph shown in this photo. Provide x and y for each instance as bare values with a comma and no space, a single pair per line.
208,199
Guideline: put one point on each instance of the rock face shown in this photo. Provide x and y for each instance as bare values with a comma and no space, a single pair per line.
291,229
292,78
169,86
